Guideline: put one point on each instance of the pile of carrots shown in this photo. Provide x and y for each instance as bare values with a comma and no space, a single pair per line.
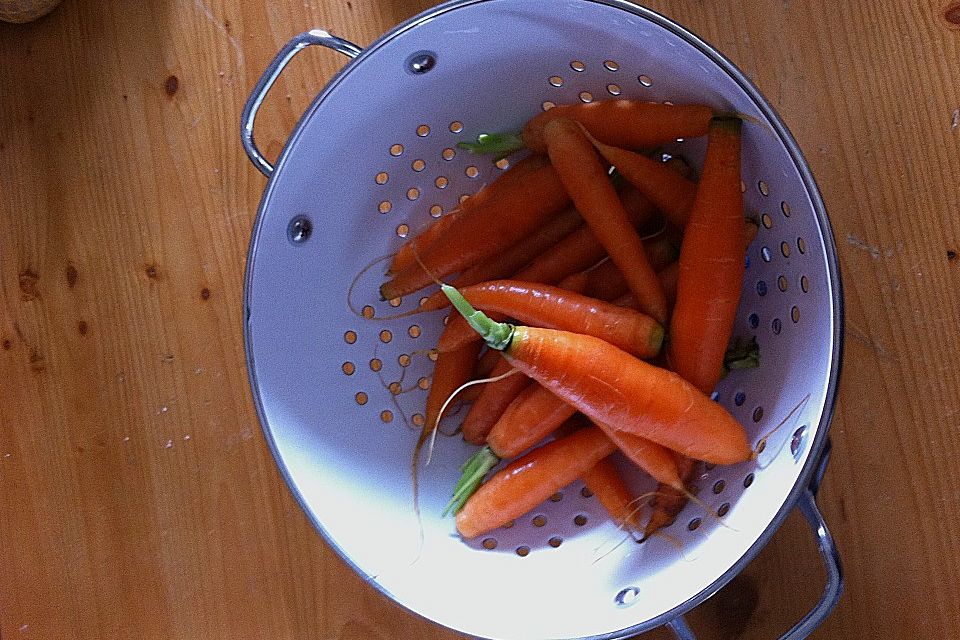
596,338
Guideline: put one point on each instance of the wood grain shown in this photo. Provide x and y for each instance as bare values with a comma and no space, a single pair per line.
137,496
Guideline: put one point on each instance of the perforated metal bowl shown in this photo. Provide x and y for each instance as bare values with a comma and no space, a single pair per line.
341,396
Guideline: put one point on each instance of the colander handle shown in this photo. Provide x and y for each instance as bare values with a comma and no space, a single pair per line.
270,75
807,504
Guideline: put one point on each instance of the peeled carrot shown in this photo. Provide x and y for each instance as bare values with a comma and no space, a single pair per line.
420,244
711,263
605,482
547,306
671,192
624,123
613,387
533,415
528,481
494,398
507,263
483,230
583,176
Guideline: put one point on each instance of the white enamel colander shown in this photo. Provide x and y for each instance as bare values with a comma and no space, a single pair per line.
341,396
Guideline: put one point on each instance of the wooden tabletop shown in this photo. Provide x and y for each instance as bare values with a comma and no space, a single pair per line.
138,498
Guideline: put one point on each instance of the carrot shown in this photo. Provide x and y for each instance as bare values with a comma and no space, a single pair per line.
533,415
537,412
584,178
669,274
547,306
486,363
452,369
670,191
613,387
582,249
605,482
420,244
711,263
483,230
656,460
709,279
669,501
510,261
470,394
604,281
528,481
668,280
494,398
624,123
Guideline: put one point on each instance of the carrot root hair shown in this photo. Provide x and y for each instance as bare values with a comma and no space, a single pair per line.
356,279
713,515
762,442
625,526
446,403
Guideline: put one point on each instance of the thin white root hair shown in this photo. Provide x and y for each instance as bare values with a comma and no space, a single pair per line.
446,403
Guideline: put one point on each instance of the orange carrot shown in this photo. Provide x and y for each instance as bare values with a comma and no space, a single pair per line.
669,501
669,274
668,280
510,261
709,278
584,178
420,243
656,460
604,281
405,256
624,123
494,398
613,387
670,191
483,230
486,363
711,263
547,306
581,249
605,482
452,369
528,481
533,415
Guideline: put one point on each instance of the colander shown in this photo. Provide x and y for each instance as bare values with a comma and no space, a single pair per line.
340,392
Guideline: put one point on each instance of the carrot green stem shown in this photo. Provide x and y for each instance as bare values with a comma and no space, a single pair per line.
499,145
471,477
497,335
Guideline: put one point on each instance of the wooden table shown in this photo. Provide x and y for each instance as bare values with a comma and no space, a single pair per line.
138,498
